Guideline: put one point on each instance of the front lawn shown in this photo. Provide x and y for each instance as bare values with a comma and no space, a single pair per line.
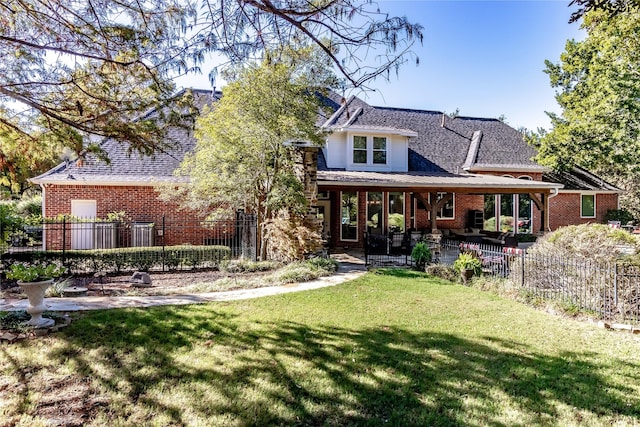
391,348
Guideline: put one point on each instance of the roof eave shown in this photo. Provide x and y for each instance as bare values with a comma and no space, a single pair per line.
507,169
376,130
145,181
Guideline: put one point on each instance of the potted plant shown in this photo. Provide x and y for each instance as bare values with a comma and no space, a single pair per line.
34,280
467,265
421,255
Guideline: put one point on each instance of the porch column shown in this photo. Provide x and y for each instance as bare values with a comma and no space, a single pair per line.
434,212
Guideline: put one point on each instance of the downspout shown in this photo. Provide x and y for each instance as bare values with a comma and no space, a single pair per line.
546,213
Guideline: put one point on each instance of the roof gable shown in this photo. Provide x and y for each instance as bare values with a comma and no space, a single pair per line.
443,143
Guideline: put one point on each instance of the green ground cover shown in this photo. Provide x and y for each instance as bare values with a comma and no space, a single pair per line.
391,348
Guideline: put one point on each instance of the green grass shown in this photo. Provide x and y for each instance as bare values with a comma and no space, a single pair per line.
392,348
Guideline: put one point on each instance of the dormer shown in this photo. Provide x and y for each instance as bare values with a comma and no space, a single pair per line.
368,148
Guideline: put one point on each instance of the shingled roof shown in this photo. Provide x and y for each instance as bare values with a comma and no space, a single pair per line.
438,144
443,143
127,168
579,180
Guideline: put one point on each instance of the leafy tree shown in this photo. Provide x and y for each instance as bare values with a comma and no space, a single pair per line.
242,160
22,158
77,68
353,34
95,67
598,89
611,7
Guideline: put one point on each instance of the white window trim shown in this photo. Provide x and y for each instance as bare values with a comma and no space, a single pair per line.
374,150
366,150
595,205
357,215
369,164
438,217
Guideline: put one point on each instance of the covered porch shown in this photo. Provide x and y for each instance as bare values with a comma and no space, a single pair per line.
353,205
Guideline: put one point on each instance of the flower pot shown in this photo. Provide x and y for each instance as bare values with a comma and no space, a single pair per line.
35,292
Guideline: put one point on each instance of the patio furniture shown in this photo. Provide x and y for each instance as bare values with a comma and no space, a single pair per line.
397,243
471,237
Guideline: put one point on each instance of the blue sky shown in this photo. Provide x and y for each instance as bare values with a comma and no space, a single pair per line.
485,58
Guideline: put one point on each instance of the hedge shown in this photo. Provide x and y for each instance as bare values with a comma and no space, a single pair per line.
119,260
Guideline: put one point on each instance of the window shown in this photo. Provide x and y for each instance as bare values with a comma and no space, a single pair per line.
369,150
379,150
448,210
349,216
490,212
502,212
374,212
525,211
588,206
360,149
506,212
396,212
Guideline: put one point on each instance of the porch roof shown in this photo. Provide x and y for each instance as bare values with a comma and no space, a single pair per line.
424,181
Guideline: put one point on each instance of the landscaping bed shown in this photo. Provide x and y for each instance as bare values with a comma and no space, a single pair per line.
162,283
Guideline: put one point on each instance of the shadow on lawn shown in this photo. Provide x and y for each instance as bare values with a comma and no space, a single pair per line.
286,373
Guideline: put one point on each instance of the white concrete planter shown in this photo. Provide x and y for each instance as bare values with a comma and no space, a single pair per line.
35,292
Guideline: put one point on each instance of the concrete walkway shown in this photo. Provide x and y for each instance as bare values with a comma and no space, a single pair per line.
350,268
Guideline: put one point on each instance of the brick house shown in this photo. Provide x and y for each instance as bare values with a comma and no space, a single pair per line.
381,169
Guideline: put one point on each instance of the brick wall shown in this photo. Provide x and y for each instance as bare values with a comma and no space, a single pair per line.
141,204
463,203
564,209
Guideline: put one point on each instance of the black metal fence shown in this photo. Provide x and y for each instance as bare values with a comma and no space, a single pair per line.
608,289
70,237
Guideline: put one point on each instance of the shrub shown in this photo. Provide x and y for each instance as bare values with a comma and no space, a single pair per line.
303,271
246,266
289,238
442,271
622,215
590,241
57,288
421,255
328,264
126,259
29,205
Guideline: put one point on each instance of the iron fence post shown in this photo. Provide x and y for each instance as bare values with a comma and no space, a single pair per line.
615,284
522,270
64,239
163,243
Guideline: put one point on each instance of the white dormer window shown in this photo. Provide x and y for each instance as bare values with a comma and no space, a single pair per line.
380,150
369,150
360,149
